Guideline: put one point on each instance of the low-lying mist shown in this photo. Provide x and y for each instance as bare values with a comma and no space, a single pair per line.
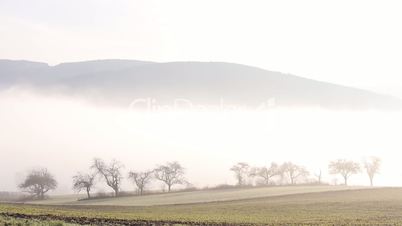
65,133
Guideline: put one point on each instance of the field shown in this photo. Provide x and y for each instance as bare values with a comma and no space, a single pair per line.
193,196
7,220
379,206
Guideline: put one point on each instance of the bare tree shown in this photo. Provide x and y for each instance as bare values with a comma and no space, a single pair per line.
293,171
266,173
111,173
372,166
344,167
241,170
171,173
38,183
84,182
141,179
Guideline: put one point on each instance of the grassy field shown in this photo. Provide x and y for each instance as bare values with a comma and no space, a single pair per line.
381,206
193,196
6,220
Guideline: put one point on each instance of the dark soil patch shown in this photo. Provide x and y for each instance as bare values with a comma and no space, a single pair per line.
108,221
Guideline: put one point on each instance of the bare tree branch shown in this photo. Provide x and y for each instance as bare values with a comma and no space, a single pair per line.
345,168
111,173
171,173
141,179
38,183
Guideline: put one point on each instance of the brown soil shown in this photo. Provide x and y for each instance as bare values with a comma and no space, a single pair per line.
107,221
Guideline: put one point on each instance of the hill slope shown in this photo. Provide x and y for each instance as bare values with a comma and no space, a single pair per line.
201,83
203,196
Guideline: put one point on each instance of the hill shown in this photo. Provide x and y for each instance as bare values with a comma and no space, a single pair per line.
202,196
120,82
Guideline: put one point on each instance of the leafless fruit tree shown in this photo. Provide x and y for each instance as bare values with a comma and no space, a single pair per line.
345,168
171,173
111,173
38,183
141,179
372,166
84,182
293,171
241,171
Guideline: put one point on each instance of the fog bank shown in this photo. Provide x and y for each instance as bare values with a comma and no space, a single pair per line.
65,133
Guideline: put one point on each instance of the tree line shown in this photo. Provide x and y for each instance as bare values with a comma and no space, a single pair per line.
39,182
291,172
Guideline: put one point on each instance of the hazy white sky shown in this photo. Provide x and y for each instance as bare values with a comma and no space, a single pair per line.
355,43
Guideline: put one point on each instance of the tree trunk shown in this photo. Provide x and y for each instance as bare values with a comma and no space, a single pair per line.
371,181
346,180
89,195
239,181
169,186
116,192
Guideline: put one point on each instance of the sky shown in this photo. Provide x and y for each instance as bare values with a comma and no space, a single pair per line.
354,43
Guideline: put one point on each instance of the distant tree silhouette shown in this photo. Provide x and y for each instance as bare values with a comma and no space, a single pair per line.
141,179
266,173
171,173
345,168
372,166
293,171
38,183
84,182
111,173
241,171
